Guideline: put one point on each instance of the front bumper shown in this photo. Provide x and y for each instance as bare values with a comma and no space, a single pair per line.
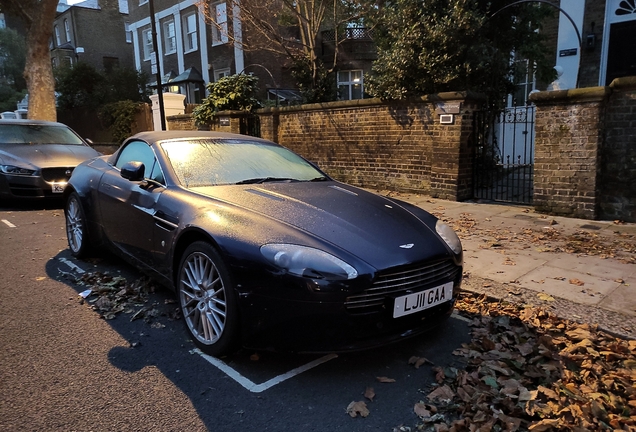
325,323
26,187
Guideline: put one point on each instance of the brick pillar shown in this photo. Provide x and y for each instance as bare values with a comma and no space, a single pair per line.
568,137
269,123
452,154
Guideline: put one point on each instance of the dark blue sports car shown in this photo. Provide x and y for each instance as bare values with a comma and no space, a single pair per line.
262,248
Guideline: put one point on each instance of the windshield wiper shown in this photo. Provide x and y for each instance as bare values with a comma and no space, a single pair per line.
318,179
265,180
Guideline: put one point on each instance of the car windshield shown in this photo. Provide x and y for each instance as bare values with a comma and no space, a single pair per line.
220,162
37,134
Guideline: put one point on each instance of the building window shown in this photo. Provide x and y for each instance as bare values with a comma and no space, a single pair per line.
142,2
220,73
219,25
524,82
3,23
169,37
146,37
54,62
350,85
58,40
190,40
67,30
128,32
67,61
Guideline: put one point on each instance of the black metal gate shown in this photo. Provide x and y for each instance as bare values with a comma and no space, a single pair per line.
504,155
251,125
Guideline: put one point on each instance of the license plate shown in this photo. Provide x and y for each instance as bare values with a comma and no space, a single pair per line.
58,187
411,303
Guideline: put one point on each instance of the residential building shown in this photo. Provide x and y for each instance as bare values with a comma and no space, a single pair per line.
94,32
355,57
592,42
194,52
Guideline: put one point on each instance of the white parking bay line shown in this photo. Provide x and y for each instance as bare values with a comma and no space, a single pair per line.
257,388
7,223
71,265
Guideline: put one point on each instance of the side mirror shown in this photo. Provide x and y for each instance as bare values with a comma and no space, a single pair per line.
133,171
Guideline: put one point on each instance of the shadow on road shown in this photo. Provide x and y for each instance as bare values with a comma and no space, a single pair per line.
314,400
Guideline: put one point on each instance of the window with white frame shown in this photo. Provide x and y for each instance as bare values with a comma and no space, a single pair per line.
169,37
190,40
58,40
67,30
3,23
146,40
525,82
350,85
219,24
220,73
128,32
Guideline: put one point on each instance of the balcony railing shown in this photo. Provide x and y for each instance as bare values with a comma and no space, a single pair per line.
348,33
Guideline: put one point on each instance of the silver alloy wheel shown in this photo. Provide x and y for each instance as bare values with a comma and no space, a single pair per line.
74,225
203,298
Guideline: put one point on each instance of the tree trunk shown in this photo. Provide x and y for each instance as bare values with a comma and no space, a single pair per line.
38,71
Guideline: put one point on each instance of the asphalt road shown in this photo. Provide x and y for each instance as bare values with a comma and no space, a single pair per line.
64,368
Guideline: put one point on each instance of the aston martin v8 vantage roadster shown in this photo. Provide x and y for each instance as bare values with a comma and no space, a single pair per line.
262,248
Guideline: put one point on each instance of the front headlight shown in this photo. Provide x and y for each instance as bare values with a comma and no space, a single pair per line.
14,170
308,262
449,236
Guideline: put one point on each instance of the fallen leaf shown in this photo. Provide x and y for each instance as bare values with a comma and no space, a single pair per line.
40,278
385,380
357,408
442,394
254,357
576,282
369,393
418,361
545,297
421,410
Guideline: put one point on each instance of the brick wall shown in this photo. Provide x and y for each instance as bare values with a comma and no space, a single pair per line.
585,152
568,136
396,146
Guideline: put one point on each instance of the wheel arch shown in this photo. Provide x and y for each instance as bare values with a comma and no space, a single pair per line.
188,237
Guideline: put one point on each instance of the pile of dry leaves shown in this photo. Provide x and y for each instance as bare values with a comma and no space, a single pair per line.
111,295
529,370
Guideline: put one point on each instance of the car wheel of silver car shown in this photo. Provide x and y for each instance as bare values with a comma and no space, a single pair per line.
76,231
207,299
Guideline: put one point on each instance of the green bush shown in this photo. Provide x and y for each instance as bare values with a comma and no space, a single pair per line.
234,92
120,117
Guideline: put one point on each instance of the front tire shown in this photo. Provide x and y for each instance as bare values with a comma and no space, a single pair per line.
76,226
207,299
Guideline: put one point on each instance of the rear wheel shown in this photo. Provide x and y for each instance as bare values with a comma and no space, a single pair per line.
76,231
207,299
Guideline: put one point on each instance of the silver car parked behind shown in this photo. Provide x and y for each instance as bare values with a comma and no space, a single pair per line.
38,157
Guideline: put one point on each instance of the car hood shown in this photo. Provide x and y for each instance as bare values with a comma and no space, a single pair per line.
375,229
45,155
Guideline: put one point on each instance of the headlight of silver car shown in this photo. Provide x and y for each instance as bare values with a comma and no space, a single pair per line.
449,236
308,262
14,170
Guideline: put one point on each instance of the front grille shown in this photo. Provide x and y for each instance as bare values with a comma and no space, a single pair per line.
397,282
57,174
